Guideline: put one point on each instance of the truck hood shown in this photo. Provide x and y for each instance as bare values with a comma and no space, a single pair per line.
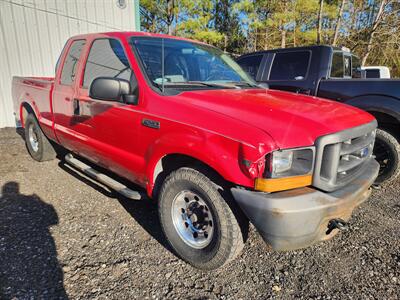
292,120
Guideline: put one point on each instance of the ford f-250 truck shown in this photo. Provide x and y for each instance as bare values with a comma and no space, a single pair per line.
182,120
335,73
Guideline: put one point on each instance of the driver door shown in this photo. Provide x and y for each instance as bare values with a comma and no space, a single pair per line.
111,127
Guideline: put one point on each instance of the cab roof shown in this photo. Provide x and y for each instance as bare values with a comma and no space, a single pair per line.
128,34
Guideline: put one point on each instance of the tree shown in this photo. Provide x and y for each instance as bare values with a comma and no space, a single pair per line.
338,21
226,21
371,33
319,32
158,16
370,28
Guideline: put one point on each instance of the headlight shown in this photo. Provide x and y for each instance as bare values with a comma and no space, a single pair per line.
290,162
287,169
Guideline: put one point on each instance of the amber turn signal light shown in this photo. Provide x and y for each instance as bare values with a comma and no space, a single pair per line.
282,184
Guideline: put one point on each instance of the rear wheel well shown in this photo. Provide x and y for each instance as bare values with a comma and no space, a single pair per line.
173,162
25,110
387,123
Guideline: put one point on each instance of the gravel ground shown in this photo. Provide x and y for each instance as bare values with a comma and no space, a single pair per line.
63,236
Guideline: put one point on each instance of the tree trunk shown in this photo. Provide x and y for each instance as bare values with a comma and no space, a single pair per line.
170,16
255,41
338,21
266,38
375,25
294,35
319,31
283,38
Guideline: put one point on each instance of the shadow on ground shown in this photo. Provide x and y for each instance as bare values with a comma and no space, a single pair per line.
29,268
143,211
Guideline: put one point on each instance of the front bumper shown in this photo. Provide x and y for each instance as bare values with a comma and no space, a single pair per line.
298,218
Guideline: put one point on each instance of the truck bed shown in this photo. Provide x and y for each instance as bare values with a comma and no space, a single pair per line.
345,89
37,91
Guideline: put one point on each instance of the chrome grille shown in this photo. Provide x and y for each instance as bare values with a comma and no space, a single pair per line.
340,157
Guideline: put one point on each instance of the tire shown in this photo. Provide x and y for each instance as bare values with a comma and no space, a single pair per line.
387,153
39,147
225,234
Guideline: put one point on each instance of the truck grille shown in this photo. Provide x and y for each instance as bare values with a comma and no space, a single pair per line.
340,157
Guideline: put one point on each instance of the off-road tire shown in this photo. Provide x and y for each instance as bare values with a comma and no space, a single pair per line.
387,148
45,149
230,229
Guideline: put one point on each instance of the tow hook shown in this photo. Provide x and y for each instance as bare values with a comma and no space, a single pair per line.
337,224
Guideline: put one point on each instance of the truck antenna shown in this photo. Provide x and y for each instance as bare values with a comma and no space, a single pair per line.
162,65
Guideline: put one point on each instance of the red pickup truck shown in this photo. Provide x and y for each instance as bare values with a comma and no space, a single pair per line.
182,120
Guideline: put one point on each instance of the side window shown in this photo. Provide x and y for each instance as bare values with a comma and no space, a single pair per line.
347,66
372,73
251,64
337,69
355,67
106,59
71,61
290,65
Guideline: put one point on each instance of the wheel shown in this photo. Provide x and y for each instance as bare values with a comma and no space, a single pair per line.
387,152
39,147
198,221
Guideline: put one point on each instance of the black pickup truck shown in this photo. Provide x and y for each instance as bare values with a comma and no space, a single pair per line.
335,73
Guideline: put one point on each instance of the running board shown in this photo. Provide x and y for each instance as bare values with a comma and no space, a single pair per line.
106,180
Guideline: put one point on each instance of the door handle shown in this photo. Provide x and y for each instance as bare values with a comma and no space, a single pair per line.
151,123
77,108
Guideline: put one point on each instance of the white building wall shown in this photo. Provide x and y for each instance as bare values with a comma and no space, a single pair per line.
33,33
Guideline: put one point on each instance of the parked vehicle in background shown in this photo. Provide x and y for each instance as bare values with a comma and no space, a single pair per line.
376,72
183,121
335,73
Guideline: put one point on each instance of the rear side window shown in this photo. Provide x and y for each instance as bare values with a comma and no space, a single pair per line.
71,62
290,65
106,59
251,64
355,67
372,73
337,68
347,66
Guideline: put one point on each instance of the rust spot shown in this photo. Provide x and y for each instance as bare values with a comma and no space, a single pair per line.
277,212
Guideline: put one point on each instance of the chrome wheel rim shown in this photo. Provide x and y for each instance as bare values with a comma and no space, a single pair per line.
33,139
192,219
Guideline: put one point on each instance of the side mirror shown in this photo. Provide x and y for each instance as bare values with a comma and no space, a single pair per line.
113,89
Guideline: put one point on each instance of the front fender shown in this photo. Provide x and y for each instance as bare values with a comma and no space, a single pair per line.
377,103
218,152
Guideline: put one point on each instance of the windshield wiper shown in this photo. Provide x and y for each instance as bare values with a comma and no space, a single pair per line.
244,83
204,83
212,84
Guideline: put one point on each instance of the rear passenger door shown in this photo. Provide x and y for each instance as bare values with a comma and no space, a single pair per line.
110,127
64,92
290,71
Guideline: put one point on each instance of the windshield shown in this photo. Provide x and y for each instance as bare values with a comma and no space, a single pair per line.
170,63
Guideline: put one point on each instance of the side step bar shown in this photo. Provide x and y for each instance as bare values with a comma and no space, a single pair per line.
106,180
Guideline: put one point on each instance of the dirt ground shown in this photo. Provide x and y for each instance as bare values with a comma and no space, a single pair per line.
64,236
